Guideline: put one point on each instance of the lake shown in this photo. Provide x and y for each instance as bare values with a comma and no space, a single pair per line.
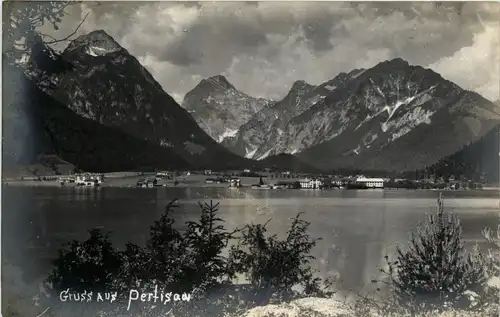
357,227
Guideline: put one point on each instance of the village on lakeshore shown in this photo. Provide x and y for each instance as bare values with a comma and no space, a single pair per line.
246,178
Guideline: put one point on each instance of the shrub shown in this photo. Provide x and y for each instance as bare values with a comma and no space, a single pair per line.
493,257
164,255
274,267
206,241
192,261
89,265
435,271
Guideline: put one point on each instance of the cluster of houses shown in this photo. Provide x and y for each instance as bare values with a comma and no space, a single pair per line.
83,179
148,183
231,180
359,182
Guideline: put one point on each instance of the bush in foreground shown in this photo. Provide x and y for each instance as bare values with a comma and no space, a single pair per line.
274,267
435,273
191,261
88,265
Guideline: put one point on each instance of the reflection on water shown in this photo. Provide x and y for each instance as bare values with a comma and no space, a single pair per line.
357,227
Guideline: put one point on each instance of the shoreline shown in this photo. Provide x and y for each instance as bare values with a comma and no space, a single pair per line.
117,184
131,179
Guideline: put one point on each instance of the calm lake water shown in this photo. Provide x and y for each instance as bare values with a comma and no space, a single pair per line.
357,227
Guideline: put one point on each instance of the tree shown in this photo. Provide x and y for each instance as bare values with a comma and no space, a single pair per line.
274,266
206,240
493,261
165,252
436,271
24,45
89,265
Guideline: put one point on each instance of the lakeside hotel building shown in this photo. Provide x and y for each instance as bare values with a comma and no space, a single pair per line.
371,182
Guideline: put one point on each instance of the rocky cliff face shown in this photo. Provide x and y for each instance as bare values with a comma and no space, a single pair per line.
255,138
392,117
110,87
219,108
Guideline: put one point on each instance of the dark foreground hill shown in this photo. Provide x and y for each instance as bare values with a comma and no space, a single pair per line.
34,123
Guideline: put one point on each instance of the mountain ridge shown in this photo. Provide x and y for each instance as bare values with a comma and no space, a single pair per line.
391,116
388,101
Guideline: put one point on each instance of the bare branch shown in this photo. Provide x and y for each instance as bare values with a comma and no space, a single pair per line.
46,35
43,312
73,33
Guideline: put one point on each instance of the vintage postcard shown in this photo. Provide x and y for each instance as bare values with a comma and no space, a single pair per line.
250,159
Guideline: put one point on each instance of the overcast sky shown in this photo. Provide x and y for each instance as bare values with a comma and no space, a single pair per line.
263,47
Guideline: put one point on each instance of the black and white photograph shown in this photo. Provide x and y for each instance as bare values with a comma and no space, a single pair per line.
250,159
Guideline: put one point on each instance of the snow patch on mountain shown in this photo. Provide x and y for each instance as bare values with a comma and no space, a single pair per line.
228,134
410,120
315,99
250,153
368,118
358,74
370,138
392,110
96,51
377,89
263,156
400,133
357,150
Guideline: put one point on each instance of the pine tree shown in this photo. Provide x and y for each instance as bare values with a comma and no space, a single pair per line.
436,271
493,257
206,239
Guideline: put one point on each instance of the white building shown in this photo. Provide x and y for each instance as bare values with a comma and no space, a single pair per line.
88,179
310,183
371,182
162,174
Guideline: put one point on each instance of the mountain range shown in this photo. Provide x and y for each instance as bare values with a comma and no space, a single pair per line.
394,116
107,113
111,96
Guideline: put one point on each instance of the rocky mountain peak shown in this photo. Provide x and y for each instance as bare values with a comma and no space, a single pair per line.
300,85
95,43
219,108
396,62
401,67
218,82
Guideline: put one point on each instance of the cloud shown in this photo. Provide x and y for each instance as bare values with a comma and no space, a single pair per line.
263,47
476,67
